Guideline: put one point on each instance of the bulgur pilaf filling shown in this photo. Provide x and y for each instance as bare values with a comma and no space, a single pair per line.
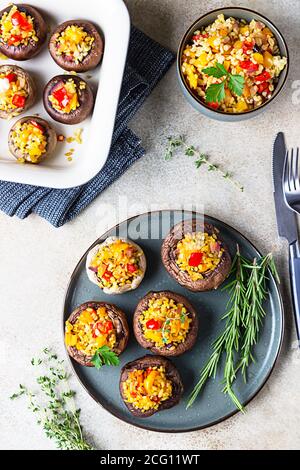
116,264
146,389
74,43
92,330
165,322
246,49
198,253
17,28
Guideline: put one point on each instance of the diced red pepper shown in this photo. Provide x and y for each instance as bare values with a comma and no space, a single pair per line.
11,77
133,394
153,324
199,36
97,329
18,101
213,104
18,20
195,259
37,125
132,268
247,46
107,275
14,38
263,77
249,65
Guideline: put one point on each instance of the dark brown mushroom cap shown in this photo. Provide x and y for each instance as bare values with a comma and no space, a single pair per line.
211,279
28,86
91,60
85,98
172,374
23,52
50,134
119,321
191,336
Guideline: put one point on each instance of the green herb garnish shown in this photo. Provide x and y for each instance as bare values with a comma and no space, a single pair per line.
174,143
55,409
105,356
244,315
215,93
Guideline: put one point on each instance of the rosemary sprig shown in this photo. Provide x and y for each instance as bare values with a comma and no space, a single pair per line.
175,143
55,410
244,316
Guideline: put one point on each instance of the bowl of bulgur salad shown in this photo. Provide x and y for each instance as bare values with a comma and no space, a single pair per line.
232,63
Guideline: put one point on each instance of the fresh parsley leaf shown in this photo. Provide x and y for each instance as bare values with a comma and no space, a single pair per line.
105,356
236,84
218,71
215,93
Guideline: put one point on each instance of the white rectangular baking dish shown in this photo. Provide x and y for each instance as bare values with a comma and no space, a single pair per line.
112,19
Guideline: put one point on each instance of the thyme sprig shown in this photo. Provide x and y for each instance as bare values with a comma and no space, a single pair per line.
55,407
244,316
174,143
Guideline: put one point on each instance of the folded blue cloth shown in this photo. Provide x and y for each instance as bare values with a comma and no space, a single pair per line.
147,62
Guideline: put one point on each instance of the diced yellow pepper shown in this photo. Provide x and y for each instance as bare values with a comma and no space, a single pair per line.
211,41
203,58
227,64
244,29
267,32
101,341
101,311
228,97
246,91
223,32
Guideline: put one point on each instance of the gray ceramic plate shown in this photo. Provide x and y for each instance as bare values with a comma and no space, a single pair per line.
212,406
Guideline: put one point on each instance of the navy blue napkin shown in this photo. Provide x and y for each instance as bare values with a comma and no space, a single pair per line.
147,62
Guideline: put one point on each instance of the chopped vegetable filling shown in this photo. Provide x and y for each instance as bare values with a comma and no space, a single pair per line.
13,92
31,140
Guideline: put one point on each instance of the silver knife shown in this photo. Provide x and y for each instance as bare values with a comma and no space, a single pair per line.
287,225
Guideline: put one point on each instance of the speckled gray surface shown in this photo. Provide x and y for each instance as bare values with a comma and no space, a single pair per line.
36,259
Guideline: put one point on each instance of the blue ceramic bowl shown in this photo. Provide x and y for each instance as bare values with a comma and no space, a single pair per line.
205,20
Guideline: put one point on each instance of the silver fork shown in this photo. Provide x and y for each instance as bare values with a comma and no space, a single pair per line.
291,182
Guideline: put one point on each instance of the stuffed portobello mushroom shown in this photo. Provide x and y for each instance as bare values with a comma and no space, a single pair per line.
17,91
23,31
31,139
76,45
150,384
117,265
68,99
195,256
166,323
93,325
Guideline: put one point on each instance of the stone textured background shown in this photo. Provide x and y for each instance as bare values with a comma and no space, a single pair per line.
37,260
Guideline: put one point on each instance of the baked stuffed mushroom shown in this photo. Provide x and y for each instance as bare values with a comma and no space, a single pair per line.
76,45
93,325
150,384
31,139
23,31
166,323
195,256
117,265
17,91
68,99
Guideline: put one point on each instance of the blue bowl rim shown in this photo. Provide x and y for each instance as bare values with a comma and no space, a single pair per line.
183,42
